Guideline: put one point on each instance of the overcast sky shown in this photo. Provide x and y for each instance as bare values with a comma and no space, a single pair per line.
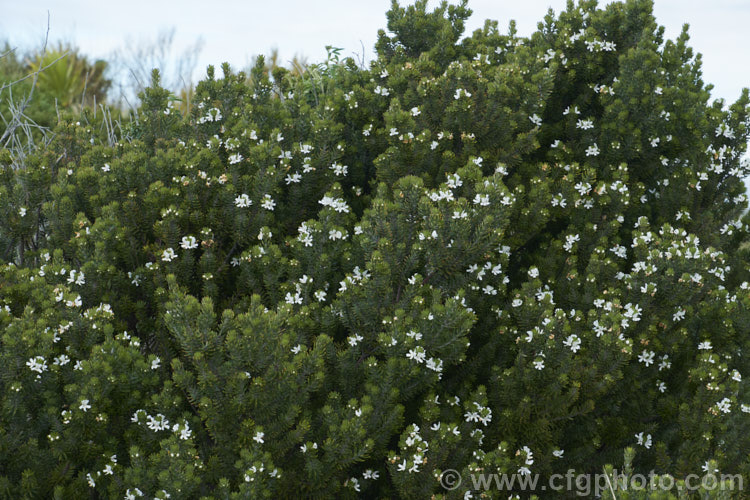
234,31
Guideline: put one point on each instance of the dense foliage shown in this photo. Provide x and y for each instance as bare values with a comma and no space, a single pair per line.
490,253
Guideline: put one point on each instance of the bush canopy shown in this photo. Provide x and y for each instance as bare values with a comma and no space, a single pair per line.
482,254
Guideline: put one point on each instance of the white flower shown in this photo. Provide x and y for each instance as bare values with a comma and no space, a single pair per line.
106,167
570,240
585,124
338,204
62,360
132,496
417,354
574,342
482,200
680,314
158,423
339,169
235,158
645,443
370,474
335,234
355,339
620,251
22,211
415,111
647,357
268,202
293,299
539,364
592,150
724,405
558,200
184,429
243,201
320,295
84,405
535,120
37,364
155,363
705,345
188,243
558,453
168,255
293,178
258,438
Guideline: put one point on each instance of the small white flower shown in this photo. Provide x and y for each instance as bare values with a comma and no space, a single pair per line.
535,120
724,405
243,201
482,200
268,202
188,243
644,442
592,150
294,178
258,437
335,234
341,170
37,364
415,111
417,354
647,357
573,341
679,315
155,363
84,405
570,240
22,211
168,255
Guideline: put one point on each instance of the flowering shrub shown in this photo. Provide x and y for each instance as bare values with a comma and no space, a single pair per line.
500,254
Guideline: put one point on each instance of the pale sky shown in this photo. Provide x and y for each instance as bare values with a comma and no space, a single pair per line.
234,31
